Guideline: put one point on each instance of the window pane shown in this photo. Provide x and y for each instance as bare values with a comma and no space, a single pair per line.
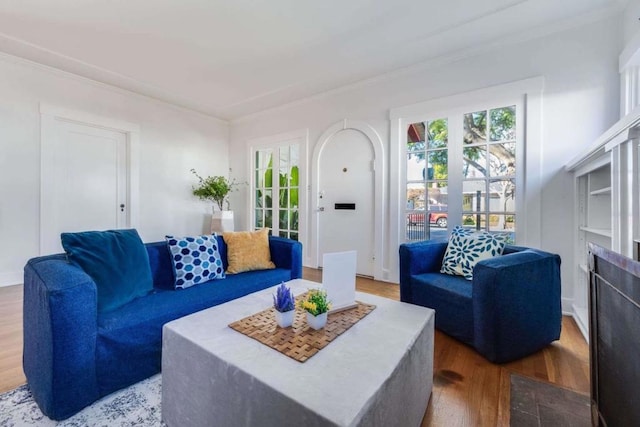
416,165
295,156
263,159
284,198
437,192
416,227
268,200
437,166
415,137
474,195
294,177
503,124
469,221
284,220
502,160
416,196
259,218
503,195
284,234
474,161
293,220
258,199
293,236
293,198
284,177
502,223
438,134
268,218
268,177
284,157
475,127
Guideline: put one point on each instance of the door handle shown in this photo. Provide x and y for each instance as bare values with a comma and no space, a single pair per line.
121,207
321,209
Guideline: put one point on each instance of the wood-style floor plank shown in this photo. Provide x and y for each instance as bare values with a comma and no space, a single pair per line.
467,389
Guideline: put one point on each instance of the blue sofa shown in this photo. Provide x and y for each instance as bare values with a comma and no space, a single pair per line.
73,355
511,309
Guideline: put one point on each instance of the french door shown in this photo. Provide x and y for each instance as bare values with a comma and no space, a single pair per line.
277,185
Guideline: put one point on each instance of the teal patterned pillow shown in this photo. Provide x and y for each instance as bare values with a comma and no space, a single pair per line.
466,248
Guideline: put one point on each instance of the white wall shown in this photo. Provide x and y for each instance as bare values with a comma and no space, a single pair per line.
172,141
580,101
631,20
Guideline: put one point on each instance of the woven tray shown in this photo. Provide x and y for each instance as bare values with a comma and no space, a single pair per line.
300,341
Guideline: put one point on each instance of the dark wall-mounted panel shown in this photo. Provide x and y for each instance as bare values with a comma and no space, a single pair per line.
345,206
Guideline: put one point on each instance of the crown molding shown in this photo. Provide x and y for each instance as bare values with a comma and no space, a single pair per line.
15,59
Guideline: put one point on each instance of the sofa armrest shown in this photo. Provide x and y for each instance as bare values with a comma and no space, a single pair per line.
286,253
60,329
418,258
516,304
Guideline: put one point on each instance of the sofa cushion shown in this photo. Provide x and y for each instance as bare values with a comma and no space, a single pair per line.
466,248
134,332
248,250
116,260
195,260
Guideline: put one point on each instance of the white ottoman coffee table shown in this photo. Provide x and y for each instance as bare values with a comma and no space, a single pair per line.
378,373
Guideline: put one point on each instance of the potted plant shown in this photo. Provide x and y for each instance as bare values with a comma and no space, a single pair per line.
317,306
216,189
284,304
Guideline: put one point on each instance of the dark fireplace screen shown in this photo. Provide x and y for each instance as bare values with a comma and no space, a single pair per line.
614,335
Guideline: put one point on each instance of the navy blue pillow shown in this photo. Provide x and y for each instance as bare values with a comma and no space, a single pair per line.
116,260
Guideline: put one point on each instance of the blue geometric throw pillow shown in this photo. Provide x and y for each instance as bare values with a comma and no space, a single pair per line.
195,260
466,248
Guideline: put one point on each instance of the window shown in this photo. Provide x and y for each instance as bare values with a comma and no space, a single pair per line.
276,189
482,144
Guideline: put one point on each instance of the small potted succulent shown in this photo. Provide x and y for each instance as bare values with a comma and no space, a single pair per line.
216,189
285,306
317,306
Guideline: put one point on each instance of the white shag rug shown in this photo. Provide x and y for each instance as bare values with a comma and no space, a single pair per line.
137,405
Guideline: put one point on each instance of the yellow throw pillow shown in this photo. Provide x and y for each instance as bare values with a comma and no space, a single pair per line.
248,250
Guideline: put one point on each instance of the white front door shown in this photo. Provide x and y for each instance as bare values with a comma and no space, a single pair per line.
84,181
345,199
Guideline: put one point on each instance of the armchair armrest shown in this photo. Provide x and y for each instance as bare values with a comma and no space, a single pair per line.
286,253
418,258
516,304
60,329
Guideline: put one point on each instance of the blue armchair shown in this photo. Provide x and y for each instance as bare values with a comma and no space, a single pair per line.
509,310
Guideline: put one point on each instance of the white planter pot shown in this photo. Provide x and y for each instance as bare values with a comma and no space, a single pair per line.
317,322
285,319
222,221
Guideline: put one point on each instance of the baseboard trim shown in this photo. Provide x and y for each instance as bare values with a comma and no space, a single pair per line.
567,306
10,278
581,316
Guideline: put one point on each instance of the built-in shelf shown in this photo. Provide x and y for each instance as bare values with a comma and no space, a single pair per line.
606,232
601,191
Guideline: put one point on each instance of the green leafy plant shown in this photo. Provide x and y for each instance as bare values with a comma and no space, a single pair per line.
214,189
315,302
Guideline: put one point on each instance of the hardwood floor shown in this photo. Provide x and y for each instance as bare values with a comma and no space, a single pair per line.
467,389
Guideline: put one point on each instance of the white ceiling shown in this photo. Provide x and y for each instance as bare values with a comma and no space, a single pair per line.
237,57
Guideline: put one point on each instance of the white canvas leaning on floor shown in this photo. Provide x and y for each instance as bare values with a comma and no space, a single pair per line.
339,278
